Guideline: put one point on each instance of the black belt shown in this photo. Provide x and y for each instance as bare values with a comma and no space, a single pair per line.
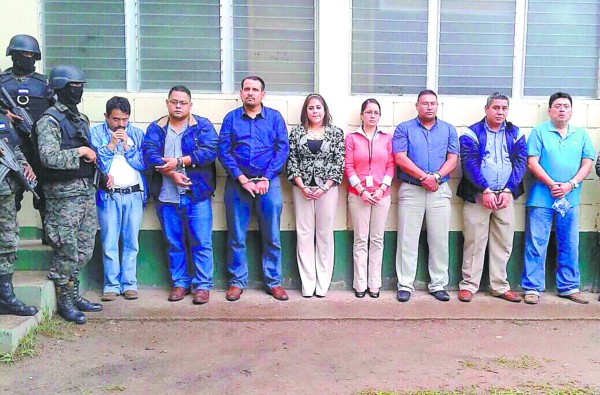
132,189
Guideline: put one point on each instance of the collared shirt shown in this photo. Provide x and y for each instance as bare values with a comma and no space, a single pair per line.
427,149
254,147
496,166
130,160
170,191
560,157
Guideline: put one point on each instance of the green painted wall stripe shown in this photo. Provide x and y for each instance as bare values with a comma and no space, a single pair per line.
153,271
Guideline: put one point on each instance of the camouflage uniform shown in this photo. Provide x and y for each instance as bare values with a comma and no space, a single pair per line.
70,205
9,228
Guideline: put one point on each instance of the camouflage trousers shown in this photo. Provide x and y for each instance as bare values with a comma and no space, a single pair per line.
9,234
71,231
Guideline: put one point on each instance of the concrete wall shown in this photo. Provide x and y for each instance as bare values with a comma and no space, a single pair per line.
333,81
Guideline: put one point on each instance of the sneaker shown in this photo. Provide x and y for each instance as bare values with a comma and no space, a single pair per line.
577,297
109,296
532,298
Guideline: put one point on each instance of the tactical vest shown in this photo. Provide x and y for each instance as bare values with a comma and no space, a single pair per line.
71,136
33,93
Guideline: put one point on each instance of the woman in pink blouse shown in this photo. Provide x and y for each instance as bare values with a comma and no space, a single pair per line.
370,170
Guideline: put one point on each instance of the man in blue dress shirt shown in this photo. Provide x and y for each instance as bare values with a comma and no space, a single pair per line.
253,148
559,156
426,151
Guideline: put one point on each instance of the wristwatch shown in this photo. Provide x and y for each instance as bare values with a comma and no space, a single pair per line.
438,177
574,184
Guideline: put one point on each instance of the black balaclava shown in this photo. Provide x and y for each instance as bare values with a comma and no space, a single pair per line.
22,65
70,96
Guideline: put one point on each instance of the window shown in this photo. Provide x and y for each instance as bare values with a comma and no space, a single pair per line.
208,45
276,41
179,44
88,34
389,46
562,47
476,47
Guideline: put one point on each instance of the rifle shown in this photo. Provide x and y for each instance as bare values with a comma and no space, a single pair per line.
27,123
9,162
100,181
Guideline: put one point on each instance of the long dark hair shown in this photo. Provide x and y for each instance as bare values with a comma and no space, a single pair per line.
304,114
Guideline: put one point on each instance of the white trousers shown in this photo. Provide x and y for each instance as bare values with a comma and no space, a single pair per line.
369,228
414,203
315,245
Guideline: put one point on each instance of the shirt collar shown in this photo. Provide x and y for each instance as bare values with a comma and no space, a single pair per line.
260,114
423,127
552,128
489,129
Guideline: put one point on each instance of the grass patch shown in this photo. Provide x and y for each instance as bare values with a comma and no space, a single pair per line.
54,327
115,388
520,362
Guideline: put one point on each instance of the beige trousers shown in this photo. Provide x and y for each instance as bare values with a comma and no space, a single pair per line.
414,203
315,246
369,228
481,224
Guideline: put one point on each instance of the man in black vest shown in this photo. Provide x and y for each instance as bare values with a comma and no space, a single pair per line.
30,91
68,165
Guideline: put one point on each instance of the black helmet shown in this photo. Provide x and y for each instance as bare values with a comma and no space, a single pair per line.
23,42
63,74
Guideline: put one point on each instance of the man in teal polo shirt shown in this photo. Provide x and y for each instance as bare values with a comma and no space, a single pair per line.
559,156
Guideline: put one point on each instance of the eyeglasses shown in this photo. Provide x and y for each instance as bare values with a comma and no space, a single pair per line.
179,102
370,112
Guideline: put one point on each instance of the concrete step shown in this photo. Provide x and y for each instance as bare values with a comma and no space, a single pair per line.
33,288
33,255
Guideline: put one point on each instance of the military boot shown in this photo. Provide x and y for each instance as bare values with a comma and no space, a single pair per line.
81,303
65,307
9,304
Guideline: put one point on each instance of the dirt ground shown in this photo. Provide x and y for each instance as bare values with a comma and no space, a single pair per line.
306,357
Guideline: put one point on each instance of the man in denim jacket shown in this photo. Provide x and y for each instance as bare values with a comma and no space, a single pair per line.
493,154
118,145
181,149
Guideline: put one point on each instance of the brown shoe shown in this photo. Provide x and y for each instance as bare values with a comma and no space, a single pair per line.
278,293
464,295
511,296
177,293
201,296
233,293
109,296
130,294
532,298
577,297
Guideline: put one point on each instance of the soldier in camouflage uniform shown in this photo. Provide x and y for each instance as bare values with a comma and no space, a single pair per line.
68,163
9,228
30,91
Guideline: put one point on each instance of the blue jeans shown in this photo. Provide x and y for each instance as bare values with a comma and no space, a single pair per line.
120,220
239,205
193,220
537,235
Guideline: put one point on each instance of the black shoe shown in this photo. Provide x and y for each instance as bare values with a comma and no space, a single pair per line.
360,295
442,295
65,307
81,303
9,304
403,296
373,294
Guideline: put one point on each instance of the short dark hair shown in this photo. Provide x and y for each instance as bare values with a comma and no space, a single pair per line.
180,88
495,96
304,113
426,92
253,78
364,105
118,103
559,95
